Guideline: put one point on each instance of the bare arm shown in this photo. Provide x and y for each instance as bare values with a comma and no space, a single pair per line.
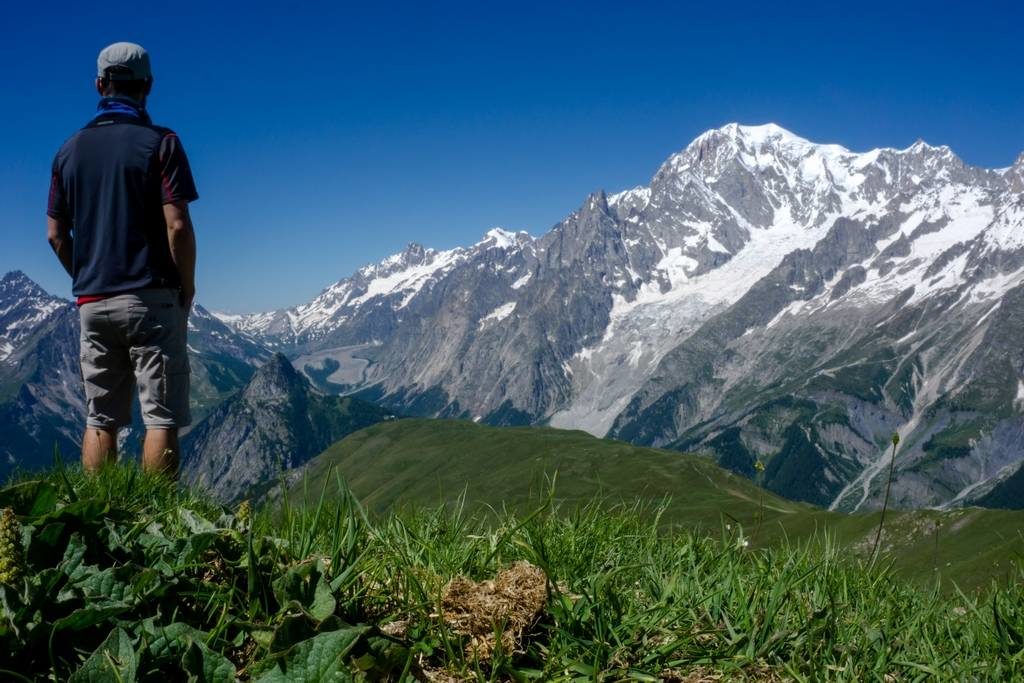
58,234
182,241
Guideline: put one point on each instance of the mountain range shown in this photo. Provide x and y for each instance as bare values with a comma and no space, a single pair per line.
764,299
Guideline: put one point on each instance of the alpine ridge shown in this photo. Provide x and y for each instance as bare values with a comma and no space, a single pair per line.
764,298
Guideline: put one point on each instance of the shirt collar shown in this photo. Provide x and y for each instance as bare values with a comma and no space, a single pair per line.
118,105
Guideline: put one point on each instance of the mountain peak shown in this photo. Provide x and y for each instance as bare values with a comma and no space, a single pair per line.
922,147
275,379
413,253
736,146
501,238
760,133
17,278
1016,174
749,136
17,284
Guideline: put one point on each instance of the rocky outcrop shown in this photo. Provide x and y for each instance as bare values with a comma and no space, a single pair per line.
275,423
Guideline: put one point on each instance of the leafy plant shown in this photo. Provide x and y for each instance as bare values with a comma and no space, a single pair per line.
126,577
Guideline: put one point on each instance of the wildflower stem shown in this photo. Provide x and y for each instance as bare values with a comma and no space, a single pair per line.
885,502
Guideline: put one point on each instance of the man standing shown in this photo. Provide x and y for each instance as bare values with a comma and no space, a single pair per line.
119,222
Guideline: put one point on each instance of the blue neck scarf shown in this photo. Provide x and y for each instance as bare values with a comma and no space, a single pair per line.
121,106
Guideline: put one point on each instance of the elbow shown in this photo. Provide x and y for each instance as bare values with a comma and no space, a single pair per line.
177,230
56,233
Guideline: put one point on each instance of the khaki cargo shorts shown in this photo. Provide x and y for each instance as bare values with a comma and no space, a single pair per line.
136,338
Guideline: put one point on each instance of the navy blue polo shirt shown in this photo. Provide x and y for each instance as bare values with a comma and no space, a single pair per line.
109,183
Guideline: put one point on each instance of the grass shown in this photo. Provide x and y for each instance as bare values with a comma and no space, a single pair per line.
426,463
129,578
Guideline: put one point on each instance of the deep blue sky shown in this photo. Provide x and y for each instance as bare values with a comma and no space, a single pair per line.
327,136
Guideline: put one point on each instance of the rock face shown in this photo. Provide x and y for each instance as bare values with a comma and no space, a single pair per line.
764,298
277,422
41,400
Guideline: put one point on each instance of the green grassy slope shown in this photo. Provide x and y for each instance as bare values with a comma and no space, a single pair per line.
427,462
129,577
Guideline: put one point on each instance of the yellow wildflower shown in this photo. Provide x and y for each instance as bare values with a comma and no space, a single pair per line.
11,555
244,513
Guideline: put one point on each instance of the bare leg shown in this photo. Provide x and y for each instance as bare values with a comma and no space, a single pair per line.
161,451
99,447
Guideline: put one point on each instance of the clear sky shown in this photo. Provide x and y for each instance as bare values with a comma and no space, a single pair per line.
326,136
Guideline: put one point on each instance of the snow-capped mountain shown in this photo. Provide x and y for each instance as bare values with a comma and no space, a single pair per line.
764,297
397,279
24,308
40,383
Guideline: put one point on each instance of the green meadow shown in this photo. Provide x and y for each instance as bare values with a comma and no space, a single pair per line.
448,551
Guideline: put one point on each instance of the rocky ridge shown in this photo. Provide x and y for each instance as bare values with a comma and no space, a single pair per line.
763,298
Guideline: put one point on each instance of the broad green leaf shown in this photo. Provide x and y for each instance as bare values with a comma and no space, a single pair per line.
322,658
149,583
108,585
295,584
192,549
29,498
291,630
306,585
86,617
165,643
71,564
323,604
388,655
180,648
113,660
154,537
195,523
116,536
203,665
45,548
81,511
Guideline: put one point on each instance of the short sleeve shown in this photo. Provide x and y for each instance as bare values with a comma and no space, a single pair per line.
175,175
57,205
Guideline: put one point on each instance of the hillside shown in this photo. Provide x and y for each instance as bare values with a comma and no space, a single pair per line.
127,577
426,462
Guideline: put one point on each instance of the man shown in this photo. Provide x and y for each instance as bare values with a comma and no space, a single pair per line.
119,222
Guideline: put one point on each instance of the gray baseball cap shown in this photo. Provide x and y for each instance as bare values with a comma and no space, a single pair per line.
125,62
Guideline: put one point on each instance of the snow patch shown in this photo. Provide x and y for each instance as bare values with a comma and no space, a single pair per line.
498,238
410,280
522,281
498,314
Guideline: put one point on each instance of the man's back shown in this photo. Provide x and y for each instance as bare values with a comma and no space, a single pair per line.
111,180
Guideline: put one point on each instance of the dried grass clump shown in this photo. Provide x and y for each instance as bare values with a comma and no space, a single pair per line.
508,606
